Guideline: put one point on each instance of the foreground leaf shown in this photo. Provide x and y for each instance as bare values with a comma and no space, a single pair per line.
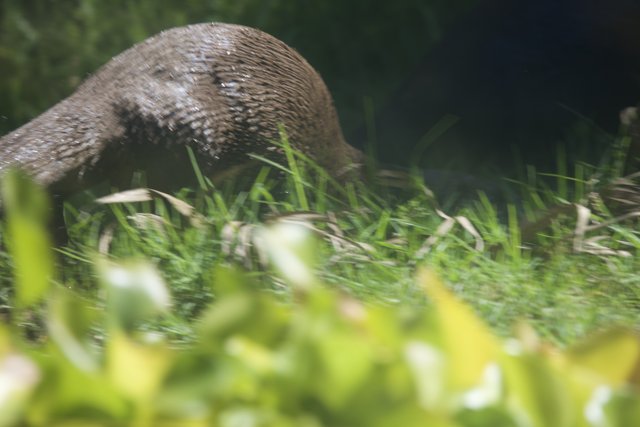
467,341
612,355
27,209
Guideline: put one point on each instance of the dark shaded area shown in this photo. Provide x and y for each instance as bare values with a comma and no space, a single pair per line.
362,48
520,77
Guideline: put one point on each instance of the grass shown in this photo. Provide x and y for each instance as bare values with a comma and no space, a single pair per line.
375,237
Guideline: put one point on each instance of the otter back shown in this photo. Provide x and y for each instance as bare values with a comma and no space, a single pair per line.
221,89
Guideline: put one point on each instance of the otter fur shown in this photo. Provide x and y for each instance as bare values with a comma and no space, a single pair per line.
223,90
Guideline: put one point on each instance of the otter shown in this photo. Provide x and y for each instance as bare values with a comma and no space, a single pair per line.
223,90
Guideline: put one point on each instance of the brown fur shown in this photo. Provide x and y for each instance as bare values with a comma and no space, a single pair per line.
221,89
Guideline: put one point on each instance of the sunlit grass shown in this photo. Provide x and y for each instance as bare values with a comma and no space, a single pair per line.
496,257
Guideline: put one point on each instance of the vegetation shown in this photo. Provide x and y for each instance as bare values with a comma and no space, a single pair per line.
326,359
290,298
276,346
566,274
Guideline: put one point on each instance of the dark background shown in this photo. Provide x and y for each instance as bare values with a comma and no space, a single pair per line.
497,77
519,78
362,48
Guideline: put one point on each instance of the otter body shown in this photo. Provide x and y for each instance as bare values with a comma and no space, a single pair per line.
223,90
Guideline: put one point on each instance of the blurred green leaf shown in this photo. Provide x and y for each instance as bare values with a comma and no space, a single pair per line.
612,355
19,376
489,394
412,416
69,322
228,281
536,393
27,211
227,316
292,250
137,368
324,360
136,292
69,393
622,409
345,362
497,416
242,310
428,365
256,357
469,344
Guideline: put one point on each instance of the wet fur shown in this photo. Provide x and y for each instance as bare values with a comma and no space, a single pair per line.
221,89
